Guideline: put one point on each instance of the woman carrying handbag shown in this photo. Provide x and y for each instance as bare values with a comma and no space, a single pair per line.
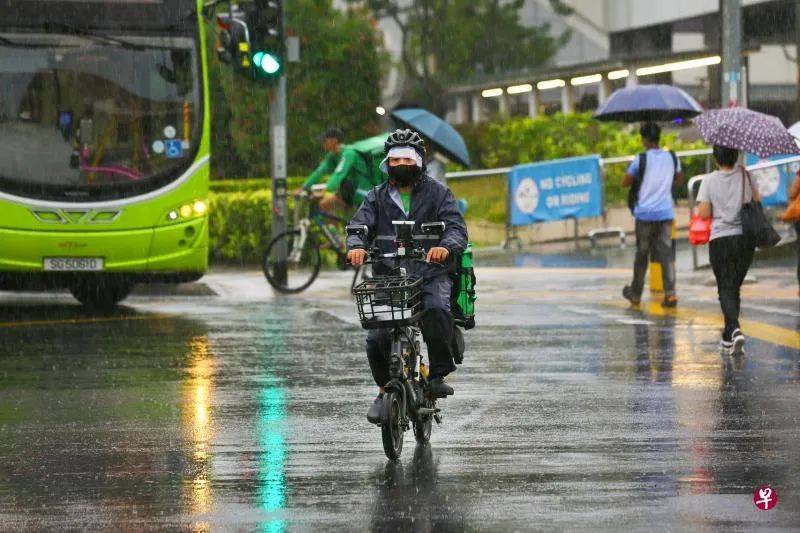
721,197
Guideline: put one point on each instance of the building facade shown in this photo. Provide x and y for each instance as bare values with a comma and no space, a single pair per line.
623,42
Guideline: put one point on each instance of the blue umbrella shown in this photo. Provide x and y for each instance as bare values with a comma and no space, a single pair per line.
440,135
648,103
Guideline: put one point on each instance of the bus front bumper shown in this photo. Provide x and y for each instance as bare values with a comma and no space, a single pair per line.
173,253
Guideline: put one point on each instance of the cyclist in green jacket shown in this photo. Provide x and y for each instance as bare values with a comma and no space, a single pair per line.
351,173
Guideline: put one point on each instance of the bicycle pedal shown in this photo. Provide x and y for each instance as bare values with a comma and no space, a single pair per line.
438,418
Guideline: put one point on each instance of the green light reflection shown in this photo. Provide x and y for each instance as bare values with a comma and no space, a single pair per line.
271,476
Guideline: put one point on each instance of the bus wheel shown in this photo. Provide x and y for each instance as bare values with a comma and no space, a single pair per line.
100,296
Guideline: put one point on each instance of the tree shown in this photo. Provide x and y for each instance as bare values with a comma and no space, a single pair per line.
337,82
447,41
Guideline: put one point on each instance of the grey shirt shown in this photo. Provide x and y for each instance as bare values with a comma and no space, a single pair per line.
723,190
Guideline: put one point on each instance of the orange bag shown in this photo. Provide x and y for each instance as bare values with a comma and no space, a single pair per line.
699,230
792,213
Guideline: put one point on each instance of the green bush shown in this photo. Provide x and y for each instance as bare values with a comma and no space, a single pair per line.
239,226
250,184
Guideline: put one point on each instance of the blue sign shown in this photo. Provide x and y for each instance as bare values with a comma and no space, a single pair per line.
555,190
773,182
173,148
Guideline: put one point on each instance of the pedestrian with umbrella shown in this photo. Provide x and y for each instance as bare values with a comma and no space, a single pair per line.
731,200
651,176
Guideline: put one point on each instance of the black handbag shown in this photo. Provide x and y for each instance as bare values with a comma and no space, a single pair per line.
755,226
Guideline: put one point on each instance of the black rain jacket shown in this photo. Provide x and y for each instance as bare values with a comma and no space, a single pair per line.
430,202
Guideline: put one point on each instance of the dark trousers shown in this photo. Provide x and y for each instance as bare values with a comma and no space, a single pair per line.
730,259
437,332
654,238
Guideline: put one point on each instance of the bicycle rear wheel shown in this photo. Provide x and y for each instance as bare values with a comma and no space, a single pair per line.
391,428
301,267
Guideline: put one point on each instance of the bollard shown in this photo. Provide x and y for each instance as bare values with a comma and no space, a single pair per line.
656,278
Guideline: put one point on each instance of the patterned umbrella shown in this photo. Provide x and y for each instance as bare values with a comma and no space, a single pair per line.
750,131
794,130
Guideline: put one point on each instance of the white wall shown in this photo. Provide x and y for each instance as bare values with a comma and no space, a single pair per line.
770,66
619,15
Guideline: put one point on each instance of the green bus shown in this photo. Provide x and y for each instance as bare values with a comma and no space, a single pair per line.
104,145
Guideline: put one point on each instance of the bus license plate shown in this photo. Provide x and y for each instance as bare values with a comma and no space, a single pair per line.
73,264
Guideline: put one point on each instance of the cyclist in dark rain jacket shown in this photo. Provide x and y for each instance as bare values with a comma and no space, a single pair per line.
410,194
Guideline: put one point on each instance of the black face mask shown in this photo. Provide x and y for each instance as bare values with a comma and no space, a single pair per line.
404,175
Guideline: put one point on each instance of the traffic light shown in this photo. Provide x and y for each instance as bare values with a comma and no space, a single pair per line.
265,22
233,45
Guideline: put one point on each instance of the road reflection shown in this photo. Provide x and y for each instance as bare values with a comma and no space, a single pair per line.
271,476
113,410
412,498
198,391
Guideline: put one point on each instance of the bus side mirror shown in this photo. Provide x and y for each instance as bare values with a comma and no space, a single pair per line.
432,228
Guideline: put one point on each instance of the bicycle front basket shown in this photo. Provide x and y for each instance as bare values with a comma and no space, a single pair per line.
389,301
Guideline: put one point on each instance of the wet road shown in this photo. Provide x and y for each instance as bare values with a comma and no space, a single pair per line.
245,412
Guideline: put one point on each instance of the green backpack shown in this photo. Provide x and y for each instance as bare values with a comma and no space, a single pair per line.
463,296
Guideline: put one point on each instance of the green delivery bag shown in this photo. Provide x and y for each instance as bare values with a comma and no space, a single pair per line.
462,297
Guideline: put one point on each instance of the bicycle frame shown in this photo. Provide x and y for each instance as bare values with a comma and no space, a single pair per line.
404,369
318,218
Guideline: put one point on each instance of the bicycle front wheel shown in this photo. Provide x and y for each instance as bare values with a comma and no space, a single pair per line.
295,269
391,425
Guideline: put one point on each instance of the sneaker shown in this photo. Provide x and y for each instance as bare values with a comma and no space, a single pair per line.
737,342
374,413
439,388
627,293
670,301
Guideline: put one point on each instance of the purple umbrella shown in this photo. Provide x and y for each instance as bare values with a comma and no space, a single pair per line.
750,131
645,103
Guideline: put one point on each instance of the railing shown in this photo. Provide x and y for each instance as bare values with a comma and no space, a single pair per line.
603,161
595,234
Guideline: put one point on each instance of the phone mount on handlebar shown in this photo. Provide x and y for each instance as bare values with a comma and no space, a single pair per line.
432,228
359,230
404,230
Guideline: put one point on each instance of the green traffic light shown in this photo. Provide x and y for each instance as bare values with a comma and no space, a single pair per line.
266,62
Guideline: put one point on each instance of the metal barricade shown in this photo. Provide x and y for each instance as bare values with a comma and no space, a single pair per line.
594,235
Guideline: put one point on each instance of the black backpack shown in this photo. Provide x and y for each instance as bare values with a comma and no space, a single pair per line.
633,193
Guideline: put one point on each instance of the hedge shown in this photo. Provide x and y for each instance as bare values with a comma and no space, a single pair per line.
239,226
522,139
240,209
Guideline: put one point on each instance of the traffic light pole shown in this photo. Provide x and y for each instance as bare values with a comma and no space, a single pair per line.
731,52
277,130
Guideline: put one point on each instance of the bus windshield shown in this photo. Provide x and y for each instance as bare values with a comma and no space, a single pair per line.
96,115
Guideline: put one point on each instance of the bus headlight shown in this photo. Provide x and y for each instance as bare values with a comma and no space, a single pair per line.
189,210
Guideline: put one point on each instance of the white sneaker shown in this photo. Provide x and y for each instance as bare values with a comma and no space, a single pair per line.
737,342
